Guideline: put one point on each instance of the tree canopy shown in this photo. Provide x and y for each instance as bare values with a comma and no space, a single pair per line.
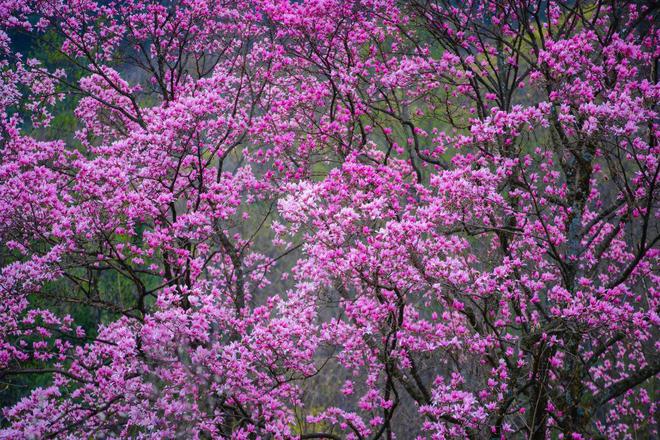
329,219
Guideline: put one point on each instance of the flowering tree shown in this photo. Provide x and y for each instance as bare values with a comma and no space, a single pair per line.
330,219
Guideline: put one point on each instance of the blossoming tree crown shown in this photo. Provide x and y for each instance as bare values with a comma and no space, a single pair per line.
329,219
